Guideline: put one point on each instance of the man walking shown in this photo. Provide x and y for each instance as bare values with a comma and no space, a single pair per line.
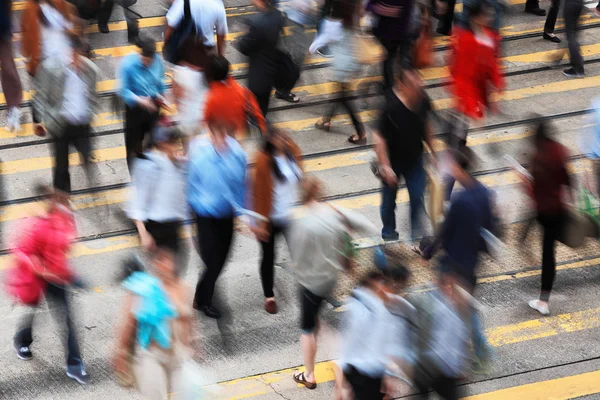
216,191
9,77
573,10
65,102
142,88
403,127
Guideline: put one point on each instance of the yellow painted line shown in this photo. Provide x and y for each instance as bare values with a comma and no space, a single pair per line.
569,387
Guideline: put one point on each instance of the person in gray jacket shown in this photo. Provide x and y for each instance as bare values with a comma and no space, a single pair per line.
64,105
316,241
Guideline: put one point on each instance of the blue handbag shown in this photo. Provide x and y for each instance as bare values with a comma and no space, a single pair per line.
185,31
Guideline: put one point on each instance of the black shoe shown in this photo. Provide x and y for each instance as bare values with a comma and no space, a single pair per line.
536,11
23,352
210,311
571,73
103,28
551,37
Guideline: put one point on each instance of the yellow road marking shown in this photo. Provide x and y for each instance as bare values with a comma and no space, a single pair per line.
555,389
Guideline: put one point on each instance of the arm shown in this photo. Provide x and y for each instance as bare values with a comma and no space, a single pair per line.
127,84
385,167
94,103
221,30
125,336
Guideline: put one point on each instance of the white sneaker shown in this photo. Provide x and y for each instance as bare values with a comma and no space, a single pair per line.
539,306
13,120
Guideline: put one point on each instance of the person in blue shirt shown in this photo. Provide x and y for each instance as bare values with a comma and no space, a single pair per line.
216,193
142,89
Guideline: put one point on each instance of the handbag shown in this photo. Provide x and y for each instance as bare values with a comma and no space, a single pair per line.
348,251
185,31
22,284
370,51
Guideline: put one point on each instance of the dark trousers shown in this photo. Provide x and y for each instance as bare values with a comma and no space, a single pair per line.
262,98
573,10
57,299
552,15
105,11
415,183
444,386
363,386
214,241
394,48
79,136
138,123
552,226
347,104
267,270
9,77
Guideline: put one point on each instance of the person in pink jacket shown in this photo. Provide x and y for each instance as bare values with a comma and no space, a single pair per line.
42,253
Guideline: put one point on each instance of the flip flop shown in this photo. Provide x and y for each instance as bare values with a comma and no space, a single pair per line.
359,141
301,379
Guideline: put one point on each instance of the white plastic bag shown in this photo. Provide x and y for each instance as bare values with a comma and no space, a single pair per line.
195,383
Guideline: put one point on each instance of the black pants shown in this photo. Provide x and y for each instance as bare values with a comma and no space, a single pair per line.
347,104
138,123
105,11
57,299
267,270
552,15
552,226
363,386
573,10
394,48
214,241
444,386
530,4
262,98
79,136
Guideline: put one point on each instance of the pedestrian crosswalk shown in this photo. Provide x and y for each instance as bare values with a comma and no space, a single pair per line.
255,355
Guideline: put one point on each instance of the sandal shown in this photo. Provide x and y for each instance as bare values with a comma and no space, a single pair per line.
357,139
301,380
289,97
323,125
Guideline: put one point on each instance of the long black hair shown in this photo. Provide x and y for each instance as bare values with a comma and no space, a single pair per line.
269,149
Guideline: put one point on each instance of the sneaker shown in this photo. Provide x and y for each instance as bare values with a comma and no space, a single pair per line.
571,73
77,372
325,52
13,120
103,28
23,352
540,307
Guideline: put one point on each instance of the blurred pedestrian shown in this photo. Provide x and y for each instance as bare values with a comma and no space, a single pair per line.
461,236
550,189
65,104
277,172
142,89
316,242
227,96
340,37
442,340
100,9
392,28
551,22
269,66
194,55
45,28
157,205
365,338
573,9
403,126
43,249
9,77
216,193
475,70
153,341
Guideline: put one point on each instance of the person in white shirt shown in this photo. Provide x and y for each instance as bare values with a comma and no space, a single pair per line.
65,103
189,80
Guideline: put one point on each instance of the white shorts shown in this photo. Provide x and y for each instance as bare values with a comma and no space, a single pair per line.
190,106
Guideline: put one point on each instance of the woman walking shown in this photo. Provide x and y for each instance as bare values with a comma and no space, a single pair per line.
316,242
547,188
277,173
340,37
41,255
154,339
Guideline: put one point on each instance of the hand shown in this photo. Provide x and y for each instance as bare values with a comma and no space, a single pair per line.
147,103
119,363
388,175
147,241
39,130
262,234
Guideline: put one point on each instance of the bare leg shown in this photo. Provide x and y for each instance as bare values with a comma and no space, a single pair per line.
309,351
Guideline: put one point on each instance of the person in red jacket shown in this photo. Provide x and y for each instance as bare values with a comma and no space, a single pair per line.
43,249
475,69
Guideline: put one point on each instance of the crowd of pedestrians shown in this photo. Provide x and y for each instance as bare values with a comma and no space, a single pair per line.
195,167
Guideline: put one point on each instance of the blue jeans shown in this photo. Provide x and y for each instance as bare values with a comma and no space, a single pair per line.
415,183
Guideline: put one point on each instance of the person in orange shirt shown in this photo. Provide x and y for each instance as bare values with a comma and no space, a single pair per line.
232,101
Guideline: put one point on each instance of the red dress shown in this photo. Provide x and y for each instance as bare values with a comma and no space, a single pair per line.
474,66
